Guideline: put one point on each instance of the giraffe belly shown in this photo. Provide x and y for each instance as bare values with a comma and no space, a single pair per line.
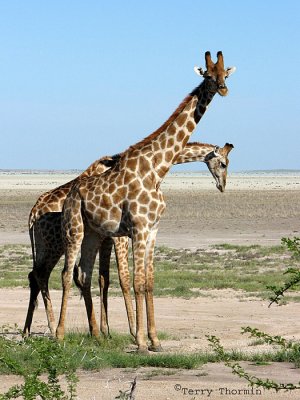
110,224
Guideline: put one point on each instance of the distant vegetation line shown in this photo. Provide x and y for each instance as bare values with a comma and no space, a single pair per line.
78,171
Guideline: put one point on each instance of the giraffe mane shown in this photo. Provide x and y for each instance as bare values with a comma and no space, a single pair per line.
200,144
164,126
110,161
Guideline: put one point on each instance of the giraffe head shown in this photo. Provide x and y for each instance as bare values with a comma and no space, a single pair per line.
217,162
215,74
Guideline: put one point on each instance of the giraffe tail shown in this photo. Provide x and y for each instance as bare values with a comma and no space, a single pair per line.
31,236
77,277
31,278
34,288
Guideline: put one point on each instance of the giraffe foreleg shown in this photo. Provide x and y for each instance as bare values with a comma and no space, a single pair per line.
149,286
89,248
121,250
139,246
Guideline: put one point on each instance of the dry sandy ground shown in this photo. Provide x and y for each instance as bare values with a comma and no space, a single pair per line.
221,313
257,209
254,209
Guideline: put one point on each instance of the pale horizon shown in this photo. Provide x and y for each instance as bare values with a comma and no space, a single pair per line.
195,171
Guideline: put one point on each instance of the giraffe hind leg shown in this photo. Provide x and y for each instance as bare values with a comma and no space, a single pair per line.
38,282
67,275
33,302
47,249
72,229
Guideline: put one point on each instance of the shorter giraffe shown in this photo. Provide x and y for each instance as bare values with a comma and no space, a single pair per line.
45,224
217,162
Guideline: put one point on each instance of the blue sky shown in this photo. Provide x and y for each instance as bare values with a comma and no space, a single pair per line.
82,79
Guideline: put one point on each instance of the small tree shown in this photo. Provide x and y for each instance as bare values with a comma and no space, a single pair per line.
293,246
51,359
238,370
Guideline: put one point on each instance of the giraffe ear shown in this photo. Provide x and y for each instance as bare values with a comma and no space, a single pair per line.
216,151
199,71
230,71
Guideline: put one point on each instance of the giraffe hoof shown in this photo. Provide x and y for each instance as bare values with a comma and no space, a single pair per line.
25,334
156,349
142,350
60,336
105,335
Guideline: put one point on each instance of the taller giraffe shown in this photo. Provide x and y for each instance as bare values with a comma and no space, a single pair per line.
217,161
127,200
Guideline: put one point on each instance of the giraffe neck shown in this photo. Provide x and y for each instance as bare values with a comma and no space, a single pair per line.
204,98
160,150
194,152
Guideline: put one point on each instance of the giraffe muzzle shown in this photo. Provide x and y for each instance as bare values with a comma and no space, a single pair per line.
222,89
220,187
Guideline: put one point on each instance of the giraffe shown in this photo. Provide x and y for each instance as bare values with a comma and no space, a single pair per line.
217,162
45,223
126,200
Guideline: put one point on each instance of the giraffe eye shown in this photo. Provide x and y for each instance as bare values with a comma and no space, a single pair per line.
223,165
